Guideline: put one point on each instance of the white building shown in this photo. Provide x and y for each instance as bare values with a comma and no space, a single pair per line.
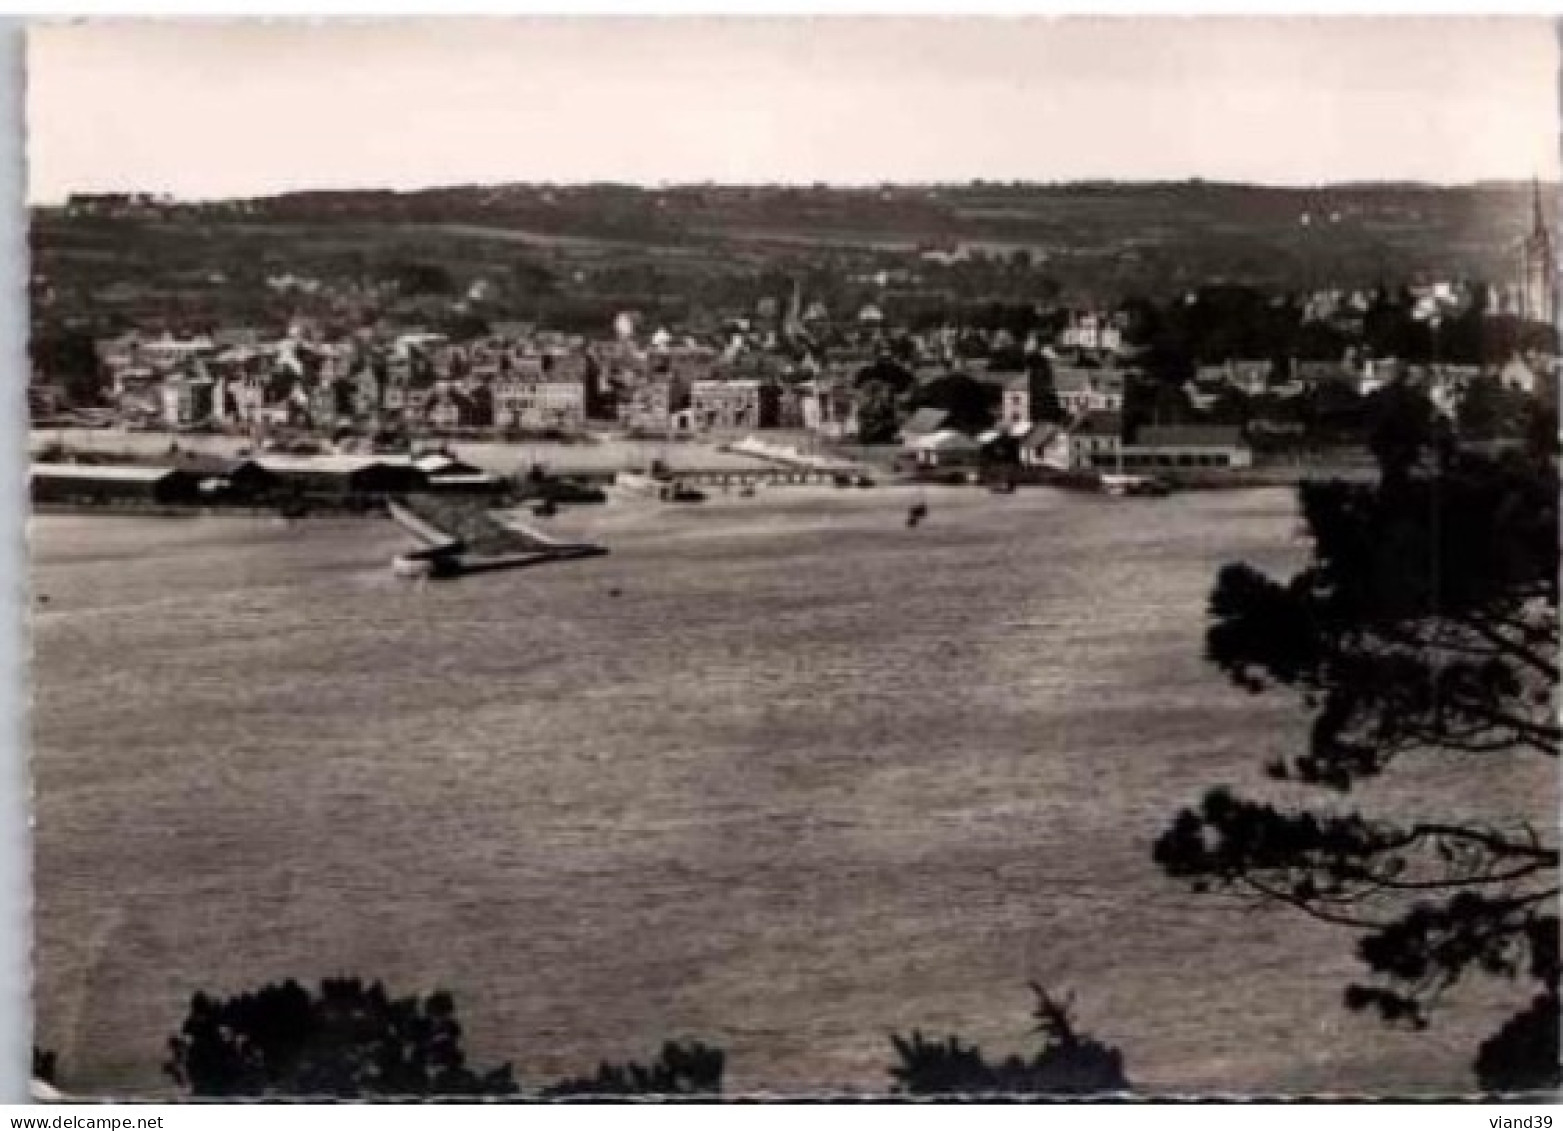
536,401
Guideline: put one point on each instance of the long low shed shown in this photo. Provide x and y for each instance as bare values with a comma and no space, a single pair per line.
87,483
341,475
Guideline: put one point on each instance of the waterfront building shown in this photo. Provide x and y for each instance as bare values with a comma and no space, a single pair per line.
1015,406
1249,376
732,405
342,476
827,407
236,478
944,450
1186,446
168,352
187,400
647,407
527,398
1093,440
451,410
1085,389
101,484
1092,331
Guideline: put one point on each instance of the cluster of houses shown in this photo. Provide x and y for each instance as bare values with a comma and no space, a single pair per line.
1093,439
240,381
522,380
1092,387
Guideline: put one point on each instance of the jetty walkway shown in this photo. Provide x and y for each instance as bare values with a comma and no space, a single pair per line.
462,536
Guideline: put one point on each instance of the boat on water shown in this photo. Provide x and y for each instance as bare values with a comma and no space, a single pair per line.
426,567
1134,486
662,487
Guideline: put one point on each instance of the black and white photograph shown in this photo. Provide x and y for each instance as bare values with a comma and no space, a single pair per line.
703,559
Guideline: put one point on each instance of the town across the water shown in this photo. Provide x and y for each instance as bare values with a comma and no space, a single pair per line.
1224,384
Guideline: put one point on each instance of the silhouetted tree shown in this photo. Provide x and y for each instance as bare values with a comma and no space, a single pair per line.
680,1069
70,359
1046,408
876,414
1069,1062
885,371
969,402
1402,426
346,1040
46,1065
1425,626
1490,411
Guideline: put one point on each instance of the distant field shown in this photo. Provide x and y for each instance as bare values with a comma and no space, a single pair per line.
725,247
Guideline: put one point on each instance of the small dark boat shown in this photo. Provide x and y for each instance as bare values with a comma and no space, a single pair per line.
916,514
1150,489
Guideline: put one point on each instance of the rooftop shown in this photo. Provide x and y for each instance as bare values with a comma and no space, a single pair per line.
1098,424
119,474
1190,436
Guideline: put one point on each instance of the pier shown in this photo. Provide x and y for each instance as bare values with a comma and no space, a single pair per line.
462,537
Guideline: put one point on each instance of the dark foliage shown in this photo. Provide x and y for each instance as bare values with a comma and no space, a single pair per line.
1489,411
1069,1062
1425,624
415,278
876,414
1523,1054
885,371
680,1069
969,402
346,1040
46,1065
70,359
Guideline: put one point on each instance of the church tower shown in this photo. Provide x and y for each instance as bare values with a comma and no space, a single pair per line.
792,324
1538,283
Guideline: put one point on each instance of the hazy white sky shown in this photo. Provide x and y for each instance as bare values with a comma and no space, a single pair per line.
233,108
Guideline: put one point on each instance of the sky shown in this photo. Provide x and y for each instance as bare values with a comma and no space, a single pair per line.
213,109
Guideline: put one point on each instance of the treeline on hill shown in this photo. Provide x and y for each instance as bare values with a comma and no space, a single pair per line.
1015,211
694,252
349,1039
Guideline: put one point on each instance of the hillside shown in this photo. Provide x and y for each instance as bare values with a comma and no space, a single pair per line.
571,251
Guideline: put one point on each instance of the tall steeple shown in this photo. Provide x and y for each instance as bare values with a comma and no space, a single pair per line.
1538,266
1539,233
792,325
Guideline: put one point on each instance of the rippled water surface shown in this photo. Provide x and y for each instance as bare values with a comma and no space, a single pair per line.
779,773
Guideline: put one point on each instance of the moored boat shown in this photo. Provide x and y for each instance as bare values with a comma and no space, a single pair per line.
1134,486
